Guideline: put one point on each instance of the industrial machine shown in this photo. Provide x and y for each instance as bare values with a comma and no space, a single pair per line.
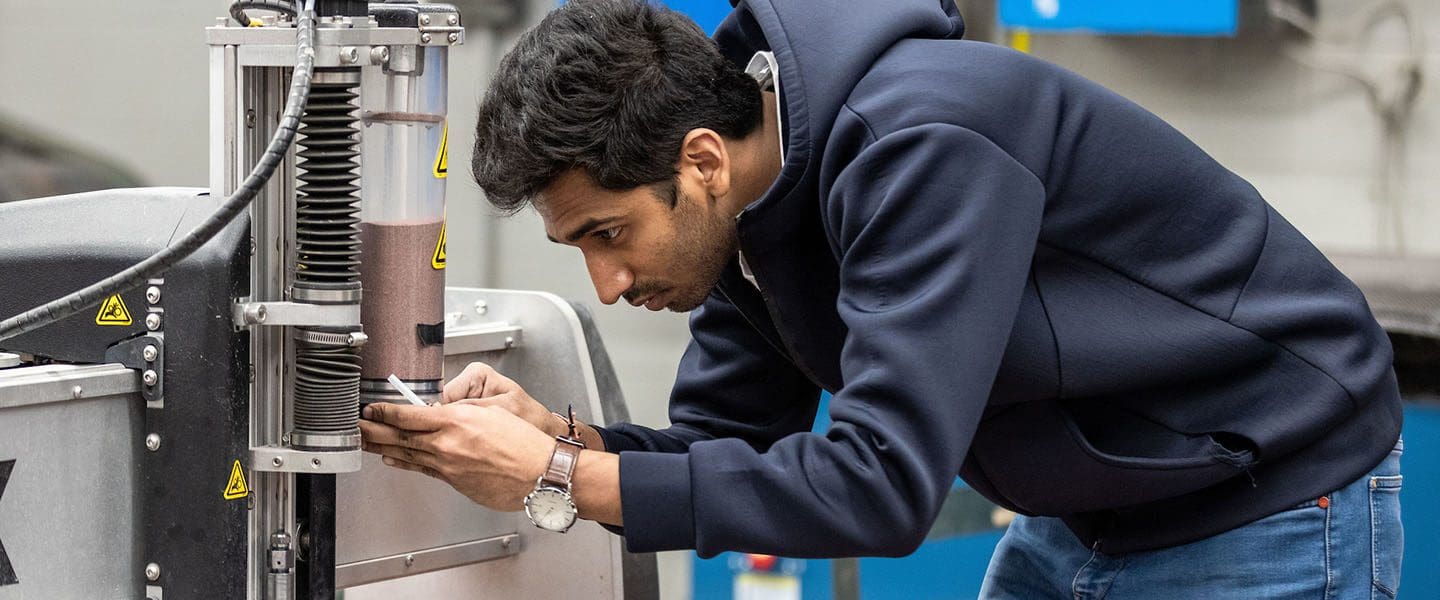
188,427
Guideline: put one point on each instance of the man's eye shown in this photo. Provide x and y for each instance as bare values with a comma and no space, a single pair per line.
608,234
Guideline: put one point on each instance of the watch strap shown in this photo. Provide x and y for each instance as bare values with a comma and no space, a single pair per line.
562,463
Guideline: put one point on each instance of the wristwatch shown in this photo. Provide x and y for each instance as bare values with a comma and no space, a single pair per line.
549,505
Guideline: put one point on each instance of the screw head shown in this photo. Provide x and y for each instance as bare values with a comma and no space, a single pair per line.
150,377
349,55
277,461
424,19
150,353
454,37
152,321
152,442
379,55
481,307
315,462
409,559
452,20
76,392
424,38
152,572
152,294
509,341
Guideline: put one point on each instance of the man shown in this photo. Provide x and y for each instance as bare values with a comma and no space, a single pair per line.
998,268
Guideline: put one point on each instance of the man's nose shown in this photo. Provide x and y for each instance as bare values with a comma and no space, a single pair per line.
611,280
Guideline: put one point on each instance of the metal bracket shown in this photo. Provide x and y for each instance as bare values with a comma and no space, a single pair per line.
246,314
425,561
145,354
279,459
487,337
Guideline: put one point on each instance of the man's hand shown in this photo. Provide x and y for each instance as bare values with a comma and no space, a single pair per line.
485,452
481,385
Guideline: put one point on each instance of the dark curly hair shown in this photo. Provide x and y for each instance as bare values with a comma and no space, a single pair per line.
608,86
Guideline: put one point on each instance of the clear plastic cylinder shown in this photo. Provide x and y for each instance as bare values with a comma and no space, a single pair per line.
404,168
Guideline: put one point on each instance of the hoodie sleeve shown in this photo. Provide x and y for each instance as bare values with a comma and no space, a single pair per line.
731,383
935,227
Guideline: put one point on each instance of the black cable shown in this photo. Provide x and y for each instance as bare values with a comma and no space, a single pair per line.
237,9
157,263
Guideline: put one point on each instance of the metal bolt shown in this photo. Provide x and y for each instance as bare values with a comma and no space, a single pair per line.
481,307
379,55
315,462
76,392
349,55
509,341
250,118
152,321
277,461
255,314
152,442
150,353
505,542
424,38
409,559
424,19
454,37
152,294
150,377
452,20
152,572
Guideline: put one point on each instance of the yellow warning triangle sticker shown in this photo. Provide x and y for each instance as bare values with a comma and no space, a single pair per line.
236,488
437,260
113,312
442,157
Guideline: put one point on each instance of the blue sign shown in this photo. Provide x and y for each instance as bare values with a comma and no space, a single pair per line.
1127,17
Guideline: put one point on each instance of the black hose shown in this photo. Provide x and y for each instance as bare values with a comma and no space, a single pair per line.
238,8
157,263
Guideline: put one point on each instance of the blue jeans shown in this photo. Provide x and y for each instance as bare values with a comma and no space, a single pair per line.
1344,545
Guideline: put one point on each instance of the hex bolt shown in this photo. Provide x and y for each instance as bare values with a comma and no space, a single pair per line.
424,19
452,20
424,38
152,442
150,377
152,294
153,321
454,37
150,353
278,461
379,55
349,55
152,572
76,392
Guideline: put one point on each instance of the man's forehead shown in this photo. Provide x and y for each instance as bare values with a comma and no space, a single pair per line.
573,199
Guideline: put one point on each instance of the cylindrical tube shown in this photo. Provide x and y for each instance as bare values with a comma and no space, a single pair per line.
404,169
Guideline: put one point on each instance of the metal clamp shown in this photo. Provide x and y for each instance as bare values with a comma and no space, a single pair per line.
246,314
486,337
279,459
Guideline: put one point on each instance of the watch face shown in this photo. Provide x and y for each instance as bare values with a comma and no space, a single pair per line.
550,509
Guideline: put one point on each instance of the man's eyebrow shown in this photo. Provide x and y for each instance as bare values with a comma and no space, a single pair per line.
589,225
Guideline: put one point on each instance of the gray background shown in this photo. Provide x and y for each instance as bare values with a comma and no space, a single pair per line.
128,79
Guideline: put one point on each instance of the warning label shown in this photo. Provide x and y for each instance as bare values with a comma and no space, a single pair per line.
113,312
236,488
437,260
442,159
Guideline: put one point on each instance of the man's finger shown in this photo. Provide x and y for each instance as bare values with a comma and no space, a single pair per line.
380,433
470,382
414,418
409,455
400,464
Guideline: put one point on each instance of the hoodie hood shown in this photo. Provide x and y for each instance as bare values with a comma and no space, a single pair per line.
823,48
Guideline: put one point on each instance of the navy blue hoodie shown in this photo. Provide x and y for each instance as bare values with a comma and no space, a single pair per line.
1002,271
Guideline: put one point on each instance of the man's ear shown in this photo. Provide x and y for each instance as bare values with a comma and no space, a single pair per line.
704,157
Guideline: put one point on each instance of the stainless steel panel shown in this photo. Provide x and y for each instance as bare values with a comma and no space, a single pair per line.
385,512
69,511
425,561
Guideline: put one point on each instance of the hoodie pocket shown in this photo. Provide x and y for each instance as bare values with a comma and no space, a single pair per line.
1044,461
